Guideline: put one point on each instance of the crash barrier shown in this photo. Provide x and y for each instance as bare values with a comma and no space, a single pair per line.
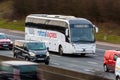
54,73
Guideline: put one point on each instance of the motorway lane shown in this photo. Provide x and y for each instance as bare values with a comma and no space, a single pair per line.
6,52
91,64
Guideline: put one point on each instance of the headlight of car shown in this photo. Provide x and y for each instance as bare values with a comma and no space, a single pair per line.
47,54
32,54
11,42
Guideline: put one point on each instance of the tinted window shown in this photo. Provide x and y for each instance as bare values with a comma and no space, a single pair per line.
116,56
47,27
6,68
3,36
29,68
28,72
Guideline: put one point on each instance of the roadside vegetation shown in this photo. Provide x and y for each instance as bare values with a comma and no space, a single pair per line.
104,13
13,25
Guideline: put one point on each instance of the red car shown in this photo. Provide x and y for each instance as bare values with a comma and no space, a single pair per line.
110,57
5,42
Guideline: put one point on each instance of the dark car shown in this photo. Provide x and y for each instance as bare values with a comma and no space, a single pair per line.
31,51
19,70
5,42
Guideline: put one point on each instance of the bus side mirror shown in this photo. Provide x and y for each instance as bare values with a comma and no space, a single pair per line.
96,28
67,32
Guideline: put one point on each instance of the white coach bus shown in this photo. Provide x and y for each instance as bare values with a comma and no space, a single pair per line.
62,34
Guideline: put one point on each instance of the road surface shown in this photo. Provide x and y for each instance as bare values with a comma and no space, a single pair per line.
91,64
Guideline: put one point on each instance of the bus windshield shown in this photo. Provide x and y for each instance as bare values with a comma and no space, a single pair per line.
82,33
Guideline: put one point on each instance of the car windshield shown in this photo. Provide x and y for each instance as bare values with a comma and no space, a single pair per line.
3,36
36,46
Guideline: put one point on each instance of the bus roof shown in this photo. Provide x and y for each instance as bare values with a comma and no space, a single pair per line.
57,17
52,16
56,20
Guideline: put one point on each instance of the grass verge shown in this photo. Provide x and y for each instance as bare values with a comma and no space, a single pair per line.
108,38
12,25
108,32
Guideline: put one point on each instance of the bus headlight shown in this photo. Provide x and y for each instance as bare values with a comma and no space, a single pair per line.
47,54
32,54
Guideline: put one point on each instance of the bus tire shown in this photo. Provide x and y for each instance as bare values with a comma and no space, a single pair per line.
83,54
60,50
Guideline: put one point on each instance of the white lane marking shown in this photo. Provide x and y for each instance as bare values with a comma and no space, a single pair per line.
73,65
55,63
95,55
92,62
101,49
55,56
88,70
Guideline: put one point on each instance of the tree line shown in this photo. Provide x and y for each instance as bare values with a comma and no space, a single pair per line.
96,10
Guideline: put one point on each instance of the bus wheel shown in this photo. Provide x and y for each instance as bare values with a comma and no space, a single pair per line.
83,54
61,50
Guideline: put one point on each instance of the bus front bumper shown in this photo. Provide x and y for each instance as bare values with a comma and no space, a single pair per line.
84,51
